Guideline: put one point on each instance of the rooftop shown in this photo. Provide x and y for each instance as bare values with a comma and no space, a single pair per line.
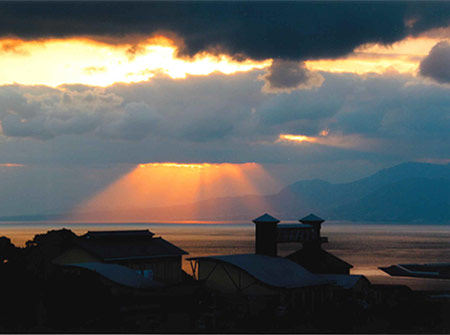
311,218
314,259
119,233
127,245
266,218
273,271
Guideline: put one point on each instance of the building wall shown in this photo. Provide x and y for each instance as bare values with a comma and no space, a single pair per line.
362,286
166,269
229,279
224,278
334,268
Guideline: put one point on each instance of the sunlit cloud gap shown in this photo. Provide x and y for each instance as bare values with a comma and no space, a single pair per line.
54,62
325,138
82,61
169,184
402,57
296,138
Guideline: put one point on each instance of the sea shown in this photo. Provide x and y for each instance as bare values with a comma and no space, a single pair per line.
366,246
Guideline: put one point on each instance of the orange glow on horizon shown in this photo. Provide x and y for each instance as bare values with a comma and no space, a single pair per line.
166,184
11,165
54,62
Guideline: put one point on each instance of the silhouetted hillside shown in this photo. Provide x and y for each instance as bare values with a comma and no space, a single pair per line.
416,199
389,194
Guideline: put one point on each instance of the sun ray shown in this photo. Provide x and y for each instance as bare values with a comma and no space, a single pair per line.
171,184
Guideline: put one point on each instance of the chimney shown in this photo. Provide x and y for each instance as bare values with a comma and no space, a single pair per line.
266,235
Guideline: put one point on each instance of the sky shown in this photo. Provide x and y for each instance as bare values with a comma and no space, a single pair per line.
143,104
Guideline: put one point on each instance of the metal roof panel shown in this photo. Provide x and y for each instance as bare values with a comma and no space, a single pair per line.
273,271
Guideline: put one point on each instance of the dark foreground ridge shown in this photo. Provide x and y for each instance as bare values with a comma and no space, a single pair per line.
133,282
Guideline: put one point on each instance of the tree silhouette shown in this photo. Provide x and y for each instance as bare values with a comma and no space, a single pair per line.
8,250
43,248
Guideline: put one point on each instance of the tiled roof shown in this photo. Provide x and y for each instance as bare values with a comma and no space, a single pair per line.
127,245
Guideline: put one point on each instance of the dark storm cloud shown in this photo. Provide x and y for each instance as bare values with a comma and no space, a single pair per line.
260,30
437,64
284,76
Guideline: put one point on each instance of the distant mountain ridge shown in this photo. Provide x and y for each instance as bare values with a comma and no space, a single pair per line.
406,192
413,199
405,184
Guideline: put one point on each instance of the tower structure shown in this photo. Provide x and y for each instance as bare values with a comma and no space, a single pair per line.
316,223
266,235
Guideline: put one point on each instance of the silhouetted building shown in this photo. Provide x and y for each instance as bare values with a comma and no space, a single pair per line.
390,294
262,279
316,223
311,256
264,276
135,249
294,232
266,235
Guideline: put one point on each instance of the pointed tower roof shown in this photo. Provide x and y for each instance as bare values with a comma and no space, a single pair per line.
266,218
311,218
